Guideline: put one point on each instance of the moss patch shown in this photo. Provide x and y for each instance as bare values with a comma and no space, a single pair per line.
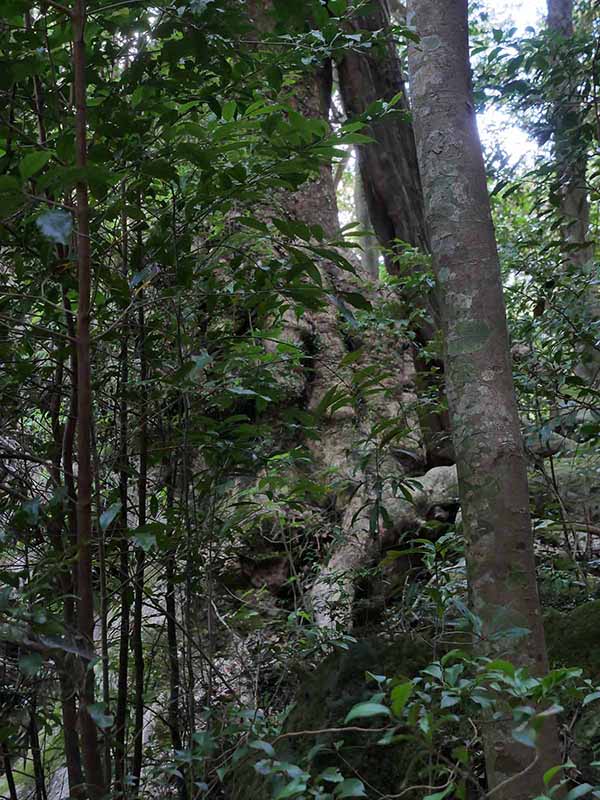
324,699
573,637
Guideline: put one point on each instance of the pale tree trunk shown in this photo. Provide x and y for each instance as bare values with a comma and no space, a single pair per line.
368,242
320,334
483,410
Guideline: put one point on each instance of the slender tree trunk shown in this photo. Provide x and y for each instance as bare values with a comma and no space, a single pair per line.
36,754
8,773
104,609
483,410
69,717
138,650
174,710
123,683
369,243
65,667
89,738
571,168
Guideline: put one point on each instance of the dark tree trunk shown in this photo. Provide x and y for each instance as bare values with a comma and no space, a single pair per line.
138,651
123,678
10,781
389,166
36,754
89,737
394,196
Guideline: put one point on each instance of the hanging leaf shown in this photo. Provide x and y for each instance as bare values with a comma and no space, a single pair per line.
363,710
351,787
400,697
102,720
108,516
33,163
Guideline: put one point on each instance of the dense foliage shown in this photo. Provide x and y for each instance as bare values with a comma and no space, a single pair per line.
212,514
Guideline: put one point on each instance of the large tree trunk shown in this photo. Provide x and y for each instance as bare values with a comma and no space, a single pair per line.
388,166
392,187
321,334
483,410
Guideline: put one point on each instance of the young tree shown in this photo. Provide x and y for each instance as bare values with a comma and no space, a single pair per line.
487,438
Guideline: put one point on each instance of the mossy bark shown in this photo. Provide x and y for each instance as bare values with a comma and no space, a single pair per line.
483,410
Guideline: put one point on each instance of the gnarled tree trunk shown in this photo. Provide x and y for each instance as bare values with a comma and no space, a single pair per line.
394,196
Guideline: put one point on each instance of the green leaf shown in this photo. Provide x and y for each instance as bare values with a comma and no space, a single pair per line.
33,162
551,773
338,7
9,184
145,540
354,138
266,747
524,735
228,110
351,787
293,788
400,697
579,791
440,795
351,357
449,699
160,168
31,664
589,698
108,516
331,775
363,710
357,300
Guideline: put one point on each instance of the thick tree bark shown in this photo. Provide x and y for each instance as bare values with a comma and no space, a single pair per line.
325,343
483,410
393,192
571,162
388,166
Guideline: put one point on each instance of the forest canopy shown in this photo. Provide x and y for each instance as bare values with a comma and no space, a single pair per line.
300,387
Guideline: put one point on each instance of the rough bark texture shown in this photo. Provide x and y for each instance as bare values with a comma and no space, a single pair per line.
487,438
392,187
389,166
320,334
